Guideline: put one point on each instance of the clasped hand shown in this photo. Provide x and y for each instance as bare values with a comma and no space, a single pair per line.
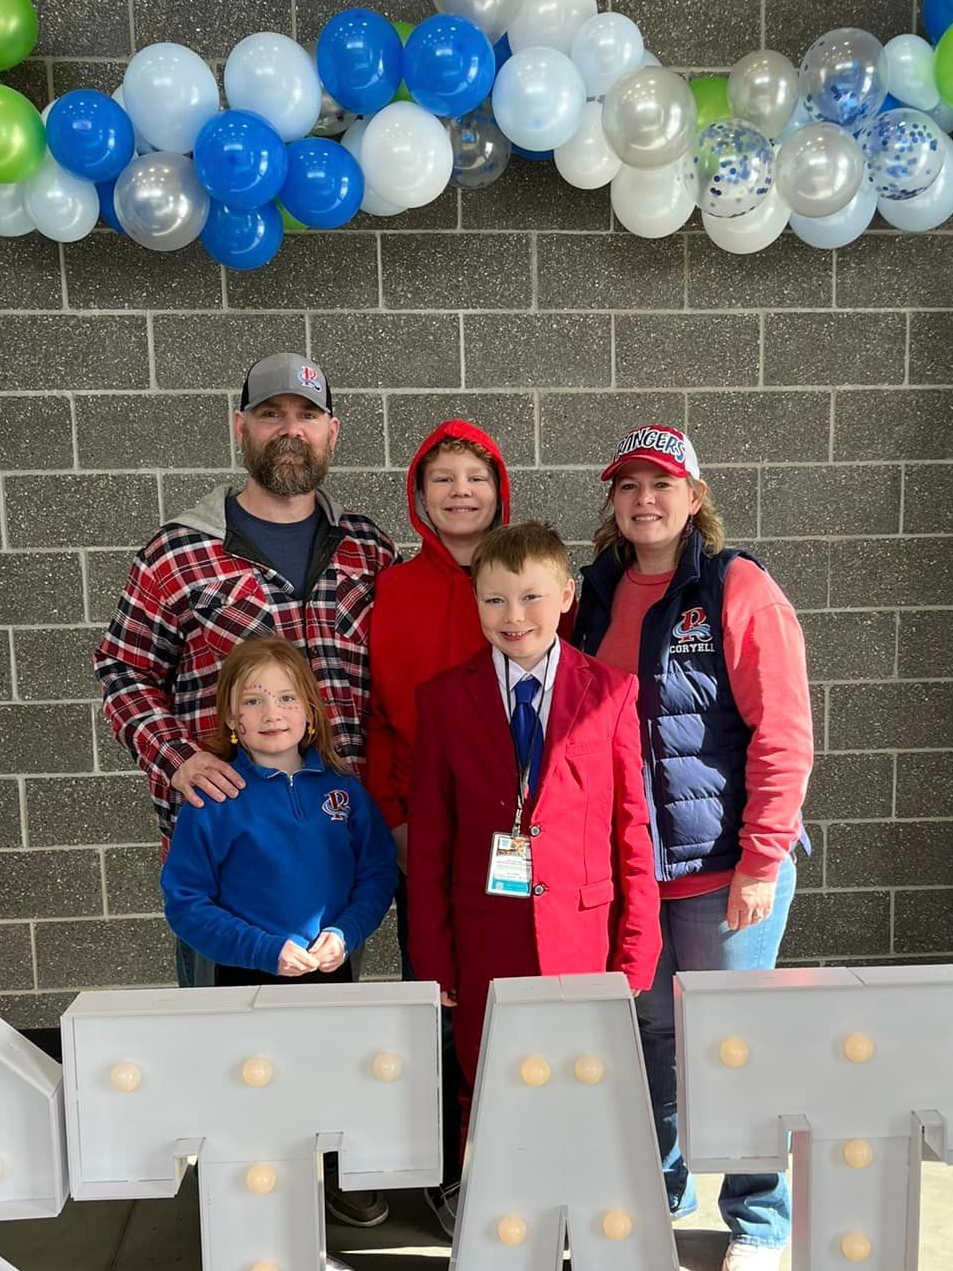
326,954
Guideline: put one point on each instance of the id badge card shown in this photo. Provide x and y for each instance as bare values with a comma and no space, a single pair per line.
511,865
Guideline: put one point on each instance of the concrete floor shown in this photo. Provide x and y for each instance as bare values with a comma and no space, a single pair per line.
164,1234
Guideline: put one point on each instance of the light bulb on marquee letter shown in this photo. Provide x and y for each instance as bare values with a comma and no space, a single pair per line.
858,1153
257,1072
261,1178
535,1070
511,1230
859,1048
387,1066
125,1077
855,1246
617,1224
733,1052
590,1069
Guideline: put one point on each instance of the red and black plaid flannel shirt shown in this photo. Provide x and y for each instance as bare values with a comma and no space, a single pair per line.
187,602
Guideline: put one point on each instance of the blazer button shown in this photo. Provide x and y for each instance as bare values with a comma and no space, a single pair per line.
539,889
534,830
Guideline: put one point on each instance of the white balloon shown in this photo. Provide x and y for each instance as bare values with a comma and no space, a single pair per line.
654,202
62,206
169,93
538,98
14,220
754,230
550,24
274,77
142,146
929,209
606,47
842,227
911,77
491,16
943,115
372,203
586,160
406,155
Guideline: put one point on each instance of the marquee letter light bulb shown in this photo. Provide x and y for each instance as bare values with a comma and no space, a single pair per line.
733,1052
859,1048
855,1246
590,1069
264,1266
261,1178
387,1066
125,1077
858,1153
511,1230
257,1071
535,1070
617,1224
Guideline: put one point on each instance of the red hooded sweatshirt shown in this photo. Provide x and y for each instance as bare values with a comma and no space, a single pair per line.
424,620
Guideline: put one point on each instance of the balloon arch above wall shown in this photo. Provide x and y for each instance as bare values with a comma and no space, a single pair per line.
382,117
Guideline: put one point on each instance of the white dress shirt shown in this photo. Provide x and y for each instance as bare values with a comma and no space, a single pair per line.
516,673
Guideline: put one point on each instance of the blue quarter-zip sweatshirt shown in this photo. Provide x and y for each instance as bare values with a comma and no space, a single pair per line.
287,858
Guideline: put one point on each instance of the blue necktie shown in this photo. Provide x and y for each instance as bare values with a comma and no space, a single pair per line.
527,729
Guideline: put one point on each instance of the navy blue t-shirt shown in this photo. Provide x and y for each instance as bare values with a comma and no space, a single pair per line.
288,546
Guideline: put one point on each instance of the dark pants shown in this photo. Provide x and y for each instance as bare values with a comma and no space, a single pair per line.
228,975
452,1147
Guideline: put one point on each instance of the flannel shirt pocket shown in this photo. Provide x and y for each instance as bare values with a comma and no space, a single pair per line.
355,597
232,610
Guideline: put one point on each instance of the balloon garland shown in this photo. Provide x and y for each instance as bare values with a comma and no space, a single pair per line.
382,117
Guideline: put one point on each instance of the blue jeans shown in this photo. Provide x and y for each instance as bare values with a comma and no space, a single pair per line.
192,969
756,1208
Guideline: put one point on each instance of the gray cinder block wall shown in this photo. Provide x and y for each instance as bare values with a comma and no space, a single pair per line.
818,388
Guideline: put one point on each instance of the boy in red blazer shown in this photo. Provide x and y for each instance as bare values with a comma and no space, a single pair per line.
529,850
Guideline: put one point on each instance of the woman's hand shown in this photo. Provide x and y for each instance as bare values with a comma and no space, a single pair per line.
293,960
329,951
448,998
750,901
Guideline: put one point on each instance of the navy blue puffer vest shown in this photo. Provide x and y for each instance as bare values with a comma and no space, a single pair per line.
694,741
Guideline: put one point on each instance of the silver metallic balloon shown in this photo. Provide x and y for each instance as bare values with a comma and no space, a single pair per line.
333,119
819,170
491,16
763,89
480,150
649,117
159,201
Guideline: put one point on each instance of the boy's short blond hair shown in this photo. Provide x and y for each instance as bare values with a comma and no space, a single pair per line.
512,546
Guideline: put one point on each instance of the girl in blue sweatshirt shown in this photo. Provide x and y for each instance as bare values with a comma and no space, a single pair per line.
296,871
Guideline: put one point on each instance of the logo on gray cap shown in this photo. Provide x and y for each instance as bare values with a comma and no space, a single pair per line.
285,373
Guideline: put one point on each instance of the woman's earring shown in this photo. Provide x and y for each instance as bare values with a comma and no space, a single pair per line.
689,526
233,738
311,730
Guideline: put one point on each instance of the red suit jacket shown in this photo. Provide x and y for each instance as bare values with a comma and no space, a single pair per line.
595,903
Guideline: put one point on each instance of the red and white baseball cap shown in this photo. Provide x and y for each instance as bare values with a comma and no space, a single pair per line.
660,444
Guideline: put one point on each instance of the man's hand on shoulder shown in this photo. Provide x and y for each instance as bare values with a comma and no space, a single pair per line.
203,773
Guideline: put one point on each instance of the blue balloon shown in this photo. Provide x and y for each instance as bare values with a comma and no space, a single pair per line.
449,65
360,60
240,159
537,156
90,135
502,51
325,185
107,208
242,238
937,18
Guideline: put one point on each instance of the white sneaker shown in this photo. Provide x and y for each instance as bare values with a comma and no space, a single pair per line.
745,1257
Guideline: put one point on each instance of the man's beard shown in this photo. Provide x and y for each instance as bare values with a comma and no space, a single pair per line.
286,465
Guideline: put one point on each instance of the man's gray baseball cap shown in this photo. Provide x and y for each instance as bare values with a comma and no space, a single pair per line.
285,373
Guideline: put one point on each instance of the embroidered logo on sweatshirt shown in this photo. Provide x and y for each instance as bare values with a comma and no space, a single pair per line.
692,633
337,805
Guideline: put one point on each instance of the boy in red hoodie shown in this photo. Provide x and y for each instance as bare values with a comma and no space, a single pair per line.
457,491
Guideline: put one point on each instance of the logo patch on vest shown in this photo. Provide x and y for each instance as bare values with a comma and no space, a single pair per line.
692,633
337,805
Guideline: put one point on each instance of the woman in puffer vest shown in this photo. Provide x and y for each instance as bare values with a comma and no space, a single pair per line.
727,751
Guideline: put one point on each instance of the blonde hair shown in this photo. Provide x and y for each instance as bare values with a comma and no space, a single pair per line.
513,545
234,674
707,521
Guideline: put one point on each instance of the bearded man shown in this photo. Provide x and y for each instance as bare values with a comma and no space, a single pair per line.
278,557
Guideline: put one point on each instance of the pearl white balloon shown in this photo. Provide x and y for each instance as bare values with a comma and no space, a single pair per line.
493,17
142,146
14,219
763,90
550,24
372,203
929,209
62,206
538,98
586,160
843,227
819,170
654,202
274,77
160,202
407,156
754,230
169,93
911,77
606,47
649,117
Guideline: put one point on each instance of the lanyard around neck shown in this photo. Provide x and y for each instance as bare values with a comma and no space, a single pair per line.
523,770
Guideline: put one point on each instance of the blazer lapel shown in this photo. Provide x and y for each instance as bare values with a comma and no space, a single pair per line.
573,680
487,703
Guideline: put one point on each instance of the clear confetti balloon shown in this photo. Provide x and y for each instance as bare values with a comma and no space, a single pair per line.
819,170
763,88
481,151
160,202
904,153
734,168
927,210
844,77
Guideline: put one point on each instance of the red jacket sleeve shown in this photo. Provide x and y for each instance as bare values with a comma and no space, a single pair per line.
431,834
381,751
638,937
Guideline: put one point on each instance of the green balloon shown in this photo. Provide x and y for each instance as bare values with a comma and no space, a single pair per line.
22,136
944,66
18,31
711,99
403,29
291,223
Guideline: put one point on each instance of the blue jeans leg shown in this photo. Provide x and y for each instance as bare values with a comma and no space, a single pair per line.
756,1208
192,969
